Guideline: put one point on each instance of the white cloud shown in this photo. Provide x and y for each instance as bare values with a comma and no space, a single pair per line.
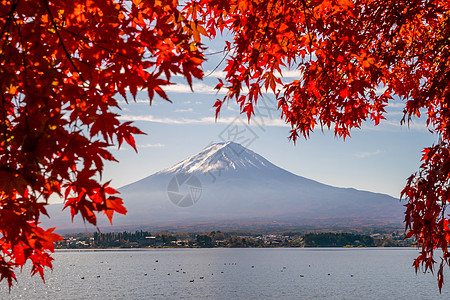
197,87
116,148
290,73
184,110
216,73
396,105
285,72
380,90
204,88
151,146
394,125
122,103
394,113
233,108
367,154
255,121
138,146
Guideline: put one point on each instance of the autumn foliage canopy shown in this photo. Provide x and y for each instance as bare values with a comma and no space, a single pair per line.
63,64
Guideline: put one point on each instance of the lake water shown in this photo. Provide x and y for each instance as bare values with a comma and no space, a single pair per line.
270,273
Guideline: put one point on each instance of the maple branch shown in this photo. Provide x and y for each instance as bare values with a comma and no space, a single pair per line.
221,61
67,54
11,14
24,61
372,20
116,52
308,30
4,117
30,179
266,30
4,125
61,42
219,52
326,35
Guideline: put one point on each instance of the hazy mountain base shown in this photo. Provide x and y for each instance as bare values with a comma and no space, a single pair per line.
236,188
356,225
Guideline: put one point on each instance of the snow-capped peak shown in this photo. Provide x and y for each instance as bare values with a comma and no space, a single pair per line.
221,156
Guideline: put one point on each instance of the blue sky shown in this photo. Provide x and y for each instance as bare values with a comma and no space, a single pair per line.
377,159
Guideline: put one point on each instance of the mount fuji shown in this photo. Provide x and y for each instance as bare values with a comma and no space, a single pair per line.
227,183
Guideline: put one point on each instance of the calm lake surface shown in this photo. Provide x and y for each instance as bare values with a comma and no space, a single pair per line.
281,273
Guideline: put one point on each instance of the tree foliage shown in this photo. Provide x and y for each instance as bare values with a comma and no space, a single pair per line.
347,51
329,239
62,62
